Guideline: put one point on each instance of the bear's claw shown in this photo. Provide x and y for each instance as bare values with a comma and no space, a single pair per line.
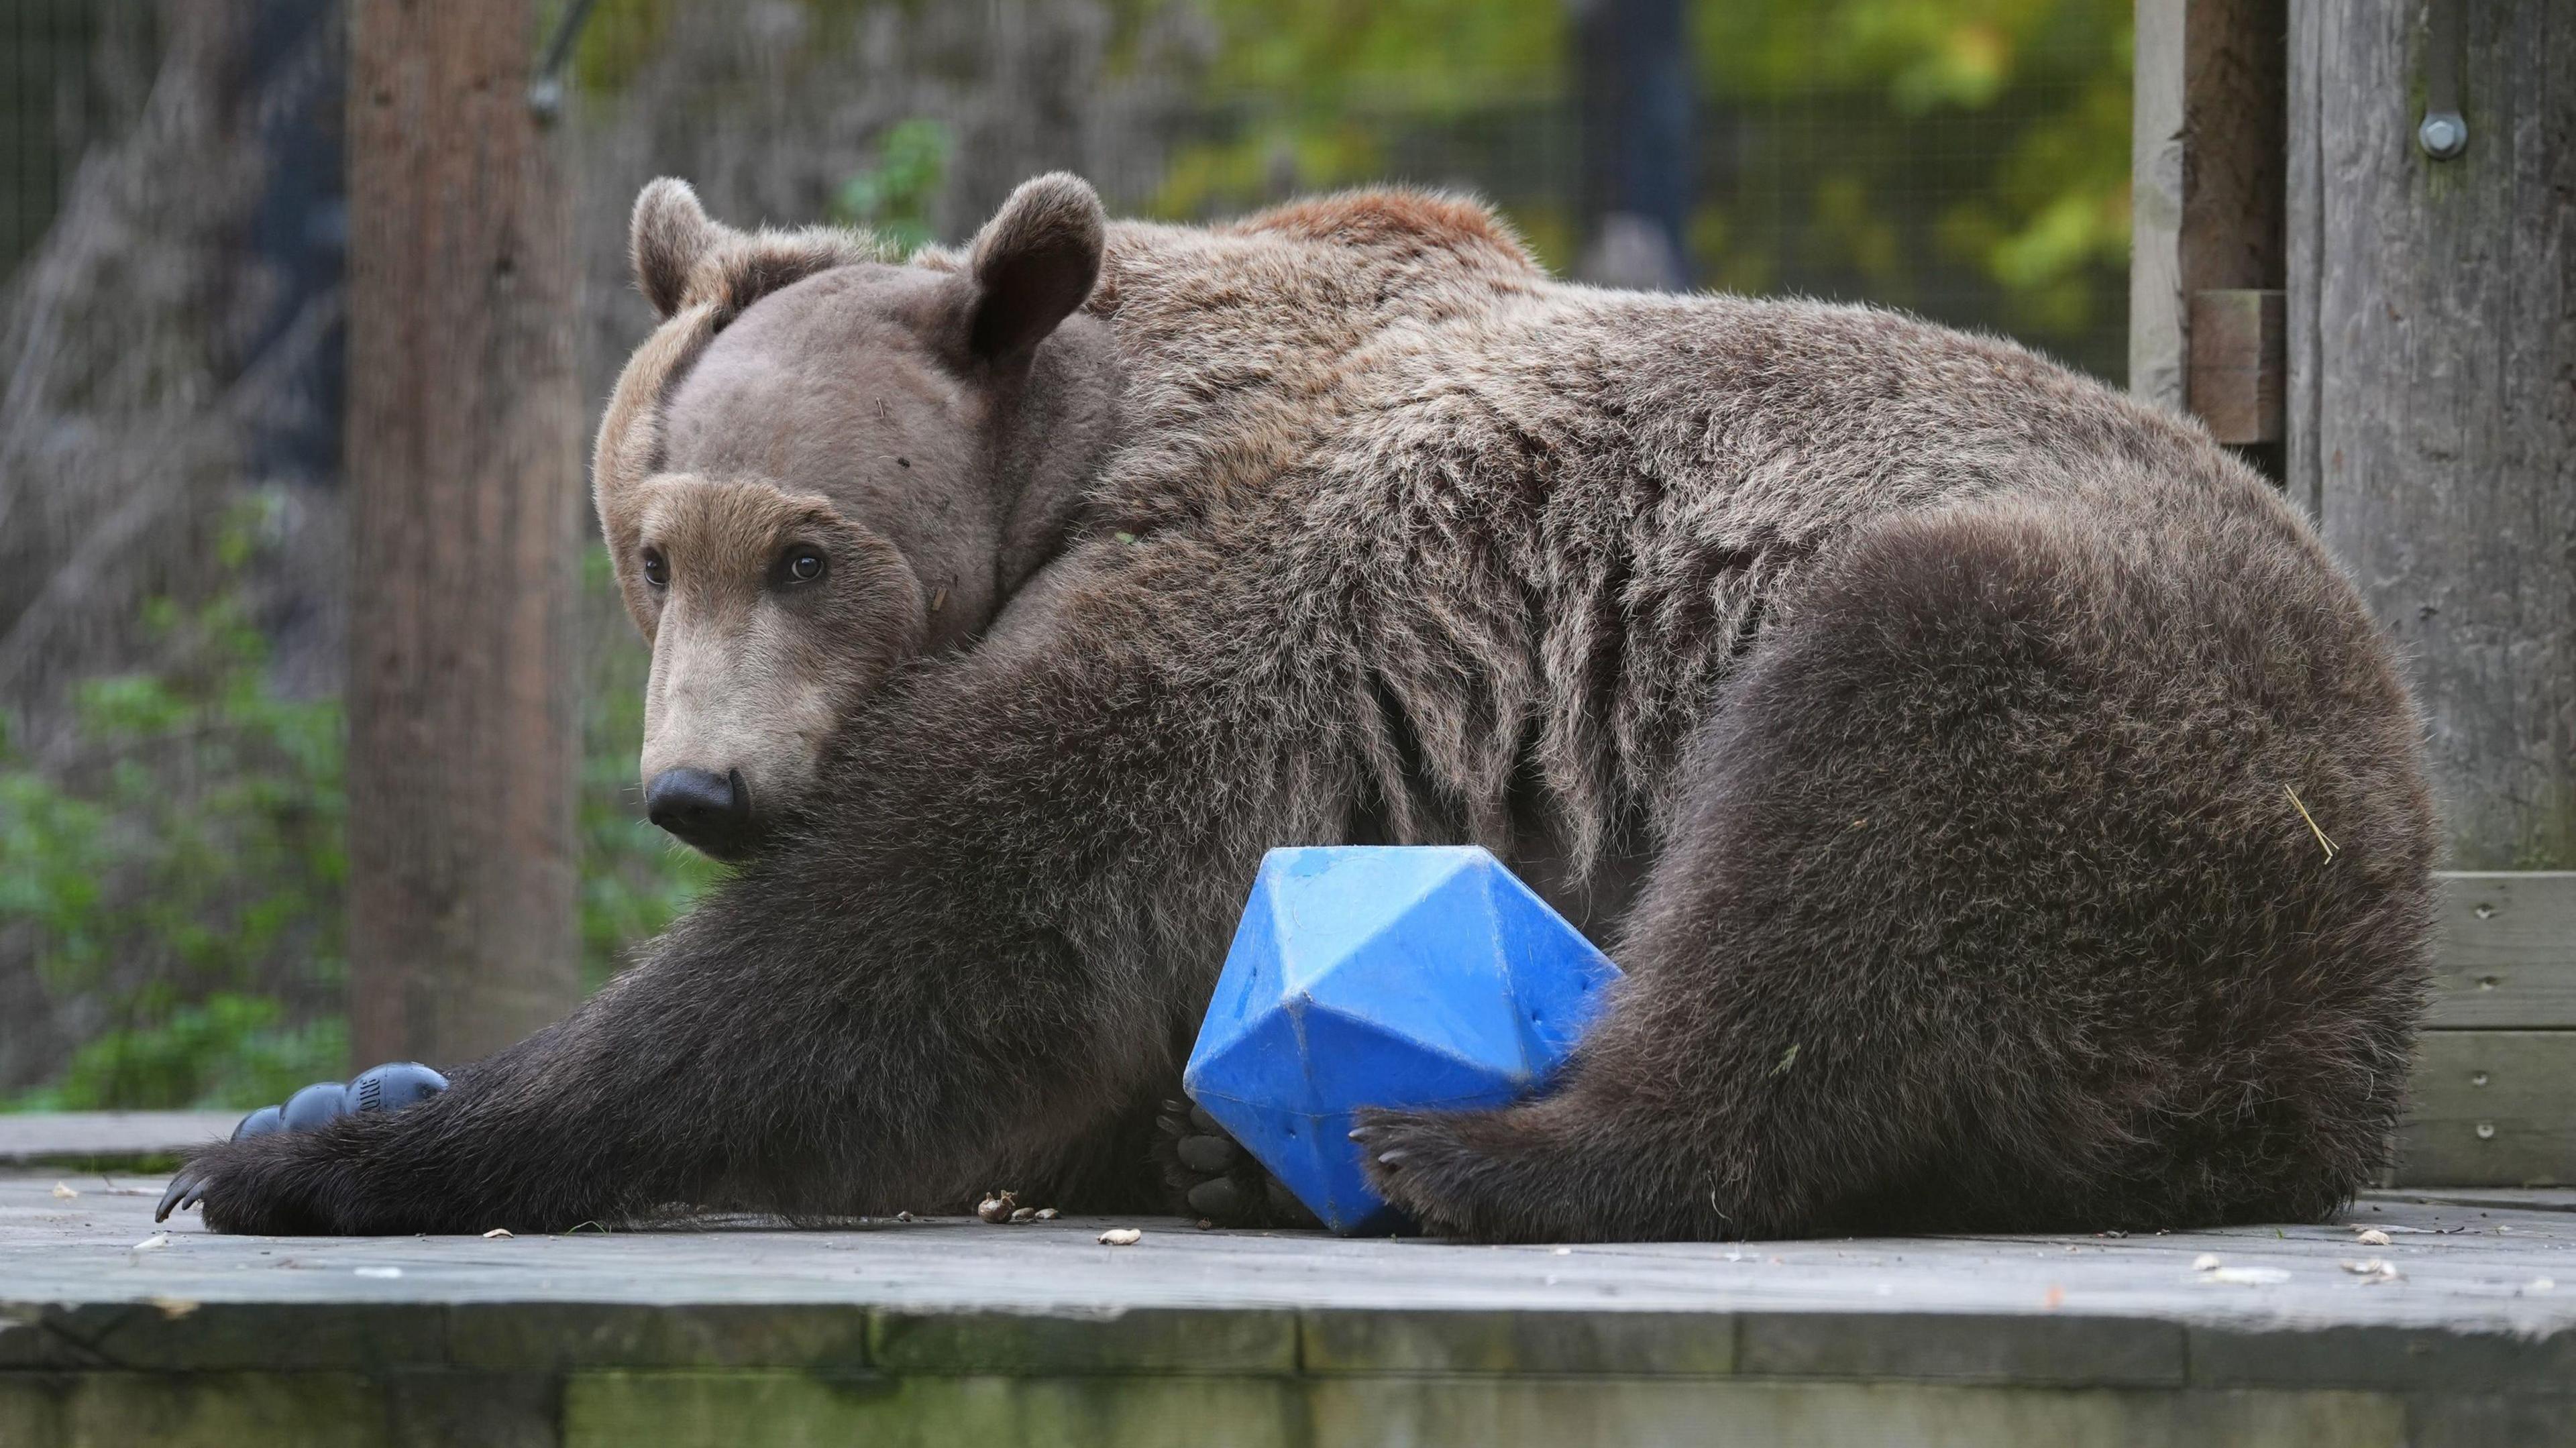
1418,1162
187,1189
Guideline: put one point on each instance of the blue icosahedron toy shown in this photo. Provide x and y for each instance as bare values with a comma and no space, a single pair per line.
1413,977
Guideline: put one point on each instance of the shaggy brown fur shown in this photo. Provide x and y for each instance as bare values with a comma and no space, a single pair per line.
1917,722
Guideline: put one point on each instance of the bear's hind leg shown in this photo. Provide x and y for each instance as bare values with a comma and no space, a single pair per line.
1983,903
1643,1143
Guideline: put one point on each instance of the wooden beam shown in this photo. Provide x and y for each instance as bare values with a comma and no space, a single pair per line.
2234,123
2206,204
2157,324
2233,381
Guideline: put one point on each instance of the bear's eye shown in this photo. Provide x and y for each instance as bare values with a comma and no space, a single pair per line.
803,565
656,572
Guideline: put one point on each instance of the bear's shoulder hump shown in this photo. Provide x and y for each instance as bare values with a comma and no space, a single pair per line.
1398,220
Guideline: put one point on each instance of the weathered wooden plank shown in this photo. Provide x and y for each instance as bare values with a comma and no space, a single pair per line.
179,1410
2507,957
1444,1412
1167,1341
2437,1358
557,1336
1953,1347
757,1410
2491,1108
2233,53
2303,247
1507,1343
2157,320
107,1136
1216,1304
2236,363
2433,313
1719,1413
955,1332
2205,163
794,1410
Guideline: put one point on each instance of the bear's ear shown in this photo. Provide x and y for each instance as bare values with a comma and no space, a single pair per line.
1033,263
670,233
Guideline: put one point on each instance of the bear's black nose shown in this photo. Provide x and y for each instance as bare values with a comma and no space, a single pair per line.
708,810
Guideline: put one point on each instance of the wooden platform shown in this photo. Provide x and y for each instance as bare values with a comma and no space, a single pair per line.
95,1140
949,1332
955,1332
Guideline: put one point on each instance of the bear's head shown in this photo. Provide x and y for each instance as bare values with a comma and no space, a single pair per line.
824,463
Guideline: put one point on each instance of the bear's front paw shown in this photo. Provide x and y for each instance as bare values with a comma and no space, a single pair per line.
1419,1163
287,1185
1214,1179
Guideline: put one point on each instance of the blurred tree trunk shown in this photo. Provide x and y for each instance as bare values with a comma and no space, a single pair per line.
464,470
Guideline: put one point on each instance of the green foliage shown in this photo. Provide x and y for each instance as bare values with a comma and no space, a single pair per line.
182,873
1988,134
1964,158
893,197
182,880
617,38
1437,55
232,1050
203,833
1318,89
1969,158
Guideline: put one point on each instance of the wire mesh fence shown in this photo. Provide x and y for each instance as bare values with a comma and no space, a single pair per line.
47,49
172,230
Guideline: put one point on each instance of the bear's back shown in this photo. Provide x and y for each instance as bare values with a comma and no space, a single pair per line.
1402,225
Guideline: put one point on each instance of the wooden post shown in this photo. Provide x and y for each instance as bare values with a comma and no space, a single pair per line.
2206,208
2432,372
2157,324
464,467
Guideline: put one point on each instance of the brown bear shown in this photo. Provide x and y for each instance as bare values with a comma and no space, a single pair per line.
1947,745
